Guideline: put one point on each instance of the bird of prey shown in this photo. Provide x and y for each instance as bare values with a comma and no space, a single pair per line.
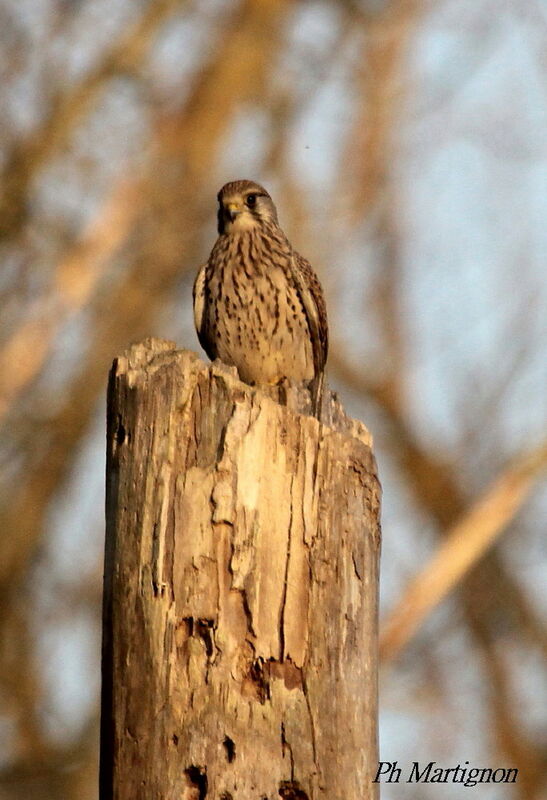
258,304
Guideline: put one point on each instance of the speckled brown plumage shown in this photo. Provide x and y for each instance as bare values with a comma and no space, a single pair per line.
258,304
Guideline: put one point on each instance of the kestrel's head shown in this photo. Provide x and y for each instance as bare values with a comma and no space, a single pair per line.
243,205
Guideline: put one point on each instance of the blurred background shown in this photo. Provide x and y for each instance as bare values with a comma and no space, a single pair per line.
405,145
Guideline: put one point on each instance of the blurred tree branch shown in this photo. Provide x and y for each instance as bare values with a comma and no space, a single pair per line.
68,109
382,87
507,729
462,547
64,771
76,280
434,486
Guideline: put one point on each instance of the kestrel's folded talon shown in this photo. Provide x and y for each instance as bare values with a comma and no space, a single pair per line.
258,304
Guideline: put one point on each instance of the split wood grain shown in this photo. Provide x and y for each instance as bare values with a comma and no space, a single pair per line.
241,590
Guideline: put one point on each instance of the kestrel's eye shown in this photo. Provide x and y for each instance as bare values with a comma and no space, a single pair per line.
251,200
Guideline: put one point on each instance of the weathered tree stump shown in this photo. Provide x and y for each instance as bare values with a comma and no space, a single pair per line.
241,579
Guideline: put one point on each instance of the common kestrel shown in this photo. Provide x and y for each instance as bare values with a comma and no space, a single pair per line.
258,304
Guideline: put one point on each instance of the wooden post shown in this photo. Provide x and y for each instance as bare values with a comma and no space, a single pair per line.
240,598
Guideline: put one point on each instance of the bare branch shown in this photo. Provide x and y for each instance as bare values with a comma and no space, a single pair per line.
463,547
433,483
77,277
67,111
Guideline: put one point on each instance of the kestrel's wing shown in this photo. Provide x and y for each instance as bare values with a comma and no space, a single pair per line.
313,300
199,310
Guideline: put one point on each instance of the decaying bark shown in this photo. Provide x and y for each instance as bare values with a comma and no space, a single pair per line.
240,609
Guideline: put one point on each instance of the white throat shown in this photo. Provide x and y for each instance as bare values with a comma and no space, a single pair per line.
243,222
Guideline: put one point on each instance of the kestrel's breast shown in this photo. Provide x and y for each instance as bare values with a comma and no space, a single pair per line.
255,319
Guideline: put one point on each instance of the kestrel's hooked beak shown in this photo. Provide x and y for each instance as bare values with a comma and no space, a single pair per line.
233,209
